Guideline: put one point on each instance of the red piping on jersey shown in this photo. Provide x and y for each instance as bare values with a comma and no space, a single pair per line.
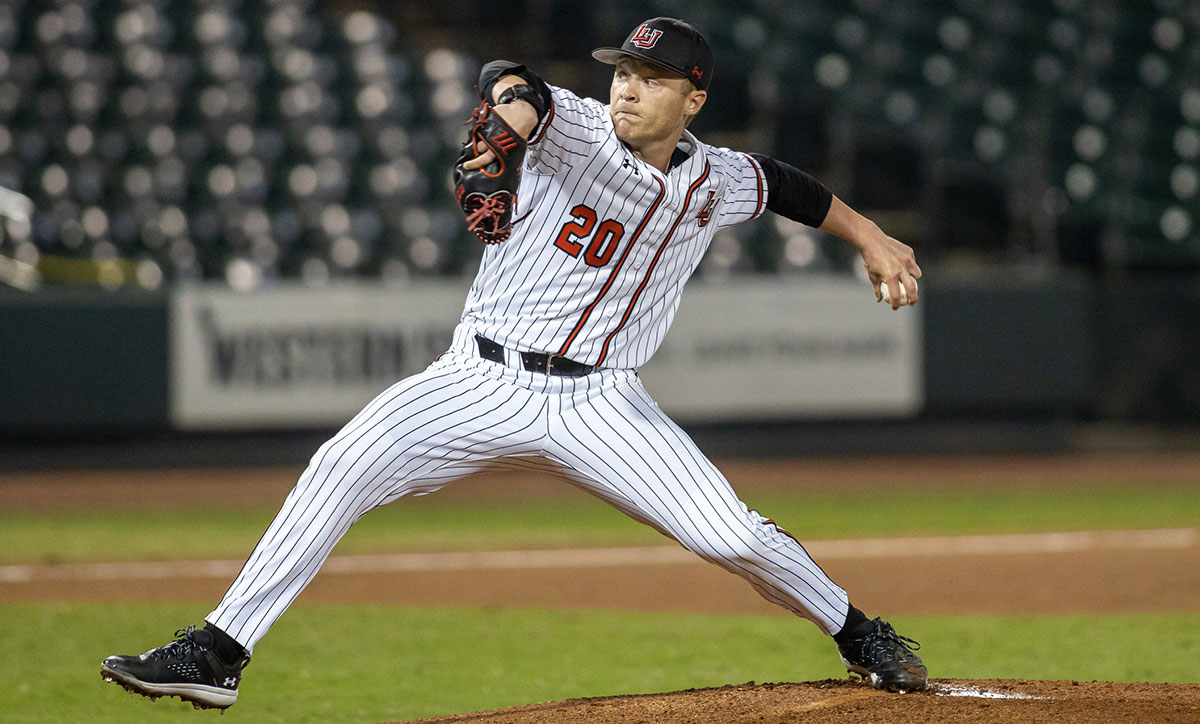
759,180
662,191
546,124
775,525
687,200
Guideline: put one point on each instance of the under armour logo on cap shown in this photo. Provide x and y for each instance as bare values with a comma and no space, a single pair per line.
667,43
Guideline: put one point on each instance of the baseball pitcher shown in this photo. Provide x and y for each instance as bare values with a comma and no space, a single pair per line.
594,215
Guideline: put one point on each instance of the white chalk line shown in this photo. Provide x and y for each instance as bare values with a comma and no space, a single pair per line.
932,546
976,693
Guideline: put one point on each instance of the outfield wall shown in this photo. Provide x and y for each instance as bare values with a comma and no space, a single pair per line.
801,349
82,361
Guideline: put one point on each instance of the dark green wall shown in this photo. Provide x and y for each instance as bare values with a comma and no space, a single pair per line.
82,361
997,342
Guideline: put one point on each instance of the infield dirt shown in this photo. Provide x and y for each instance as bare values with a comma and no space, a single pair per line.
843,701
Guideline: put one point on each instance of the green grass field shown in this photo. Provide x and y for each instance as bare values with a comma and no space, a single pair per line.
579,520
372,664
325,663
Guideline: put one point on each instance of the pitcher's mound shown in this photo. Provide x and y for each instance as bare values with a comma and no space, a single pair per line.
846,701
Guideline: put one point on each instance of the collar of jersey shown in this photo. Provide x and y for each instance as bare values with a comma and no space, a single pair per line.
683,150
682,154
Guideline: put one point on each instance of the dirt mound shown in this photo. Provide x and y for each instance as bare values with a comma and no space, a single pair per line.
847,701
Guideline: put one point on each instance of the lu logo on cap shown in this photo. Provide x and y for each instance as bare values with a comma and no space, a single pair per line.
645,36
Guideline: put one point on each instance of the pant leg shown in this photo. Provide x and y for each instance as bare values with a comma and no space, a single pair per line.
418,435
623,448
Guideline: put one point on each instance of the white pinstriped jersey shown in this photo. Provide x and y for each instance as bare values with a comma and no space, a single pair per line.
596,269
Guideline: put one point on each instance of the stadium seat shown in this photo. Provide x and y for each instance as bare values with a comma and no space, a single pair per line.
252,140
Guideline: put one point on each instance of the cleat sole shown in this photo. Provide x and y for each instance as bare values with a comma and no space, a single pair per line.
199,696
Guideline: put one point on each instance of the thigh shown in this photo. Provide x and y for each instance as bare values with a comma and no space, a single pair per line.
623,448
427,430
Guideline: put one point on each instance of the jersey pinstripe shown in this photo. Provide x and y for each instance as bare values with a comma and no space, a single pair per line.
595,271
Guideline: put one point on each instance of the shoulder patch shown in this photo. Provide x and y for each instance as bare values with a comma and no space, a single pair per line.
706,210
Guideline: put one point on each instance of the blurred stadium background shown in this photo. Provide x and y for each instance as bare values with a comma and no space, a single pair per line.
1042,157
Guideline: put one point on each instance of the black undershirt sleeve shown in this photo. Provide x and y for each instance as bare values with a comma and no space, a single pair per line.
497,69
793,194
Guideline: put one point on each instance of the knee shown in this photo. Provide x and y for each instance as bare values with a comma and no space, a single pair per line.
729,549
752,541
339,465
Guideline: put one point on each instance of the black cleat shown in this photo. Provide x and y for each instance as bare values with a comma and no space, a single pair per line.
885,658
187,667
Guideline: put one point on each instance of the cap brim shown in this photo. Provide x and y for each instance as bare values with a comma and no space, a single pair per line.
612,55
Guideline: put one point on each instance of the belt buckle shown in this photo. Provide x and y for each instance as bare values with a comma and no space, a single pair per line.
550,363
534,362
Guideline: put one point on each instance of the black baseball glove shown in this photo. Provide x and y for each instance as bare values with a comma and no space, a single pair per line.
488,195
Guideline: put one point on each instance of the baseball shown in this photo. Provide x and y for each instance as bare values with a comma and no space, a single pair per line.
887,297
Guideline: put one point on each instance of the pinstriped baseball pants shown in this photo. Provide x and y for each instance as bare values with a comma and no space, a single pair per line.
601,432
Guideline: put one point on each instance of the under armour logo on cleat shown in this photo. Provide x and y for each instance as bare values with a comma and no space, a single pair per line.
230,681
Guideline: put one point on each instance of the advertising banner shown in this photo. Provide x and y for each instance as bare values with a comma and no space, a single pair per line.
291,356
787,348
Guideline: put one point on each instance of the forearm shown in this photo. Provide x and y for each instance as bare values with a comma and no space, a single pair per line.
504,83
887,261
499,76
798,196
518,113
846,223
496,80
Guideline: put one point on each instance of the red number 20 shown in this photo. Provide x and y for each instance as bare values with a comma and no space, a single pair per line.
603,244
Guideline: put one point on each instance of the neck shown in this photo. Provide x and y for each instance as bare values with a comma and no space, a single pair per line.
657,153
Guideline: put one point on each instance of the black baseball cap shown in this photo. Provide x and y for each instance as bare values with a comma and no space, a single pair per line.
669,43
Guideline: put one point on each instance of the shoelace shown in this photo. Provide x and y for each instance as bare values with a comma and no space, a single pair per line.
884,634
184,644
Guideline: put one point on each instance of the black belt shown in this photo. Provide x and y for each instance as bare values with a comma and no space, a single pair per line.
547,364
